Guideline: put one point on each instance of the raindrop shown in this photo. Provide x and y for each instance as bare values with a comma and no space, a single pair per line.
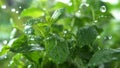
108,37
20,7
19,17
28,29
44,9
32,37
11,62
77,14
36,48
70,4
96,21
98,36
17,12
3,6
103,9
84,4
29,66
5,42
65,32
3,57
13,10
47,38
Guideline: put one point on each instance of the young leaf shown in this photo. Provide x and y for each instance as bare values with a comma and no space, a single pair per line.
57,14
32,12
103,56
86,35
57,49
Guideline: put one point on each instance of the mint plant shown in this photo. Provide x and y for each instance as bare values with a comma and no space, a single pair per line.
62,36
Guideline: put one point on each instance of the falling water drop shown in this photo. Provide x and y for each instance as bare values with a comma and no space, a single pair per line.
70,3
17,12
13,10
77,14
103,9
98,36
3,6
110,37
5,42
19,17
96,21
20,7
29,66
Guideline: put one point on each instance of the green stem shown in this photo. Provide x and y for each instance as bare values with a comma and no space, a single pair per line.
93,14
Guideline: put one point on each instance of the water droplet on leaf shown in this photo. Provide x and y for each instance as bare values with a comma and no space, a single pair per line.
107,37
84,4
103,9
28,29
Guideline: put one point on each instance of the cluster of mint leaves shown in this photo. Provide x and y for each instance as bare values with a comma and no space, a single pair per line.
61,38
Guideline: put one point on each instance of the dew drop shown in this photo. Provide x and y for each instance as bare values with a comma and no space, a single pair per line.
103,9
3,6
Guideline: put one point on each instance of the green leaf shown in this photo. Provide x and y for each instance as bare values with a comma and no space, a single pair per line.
86,35
4,50
34,56
103,56
57,28
57,49
75,4
20,45
56,15
17,61
32,12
